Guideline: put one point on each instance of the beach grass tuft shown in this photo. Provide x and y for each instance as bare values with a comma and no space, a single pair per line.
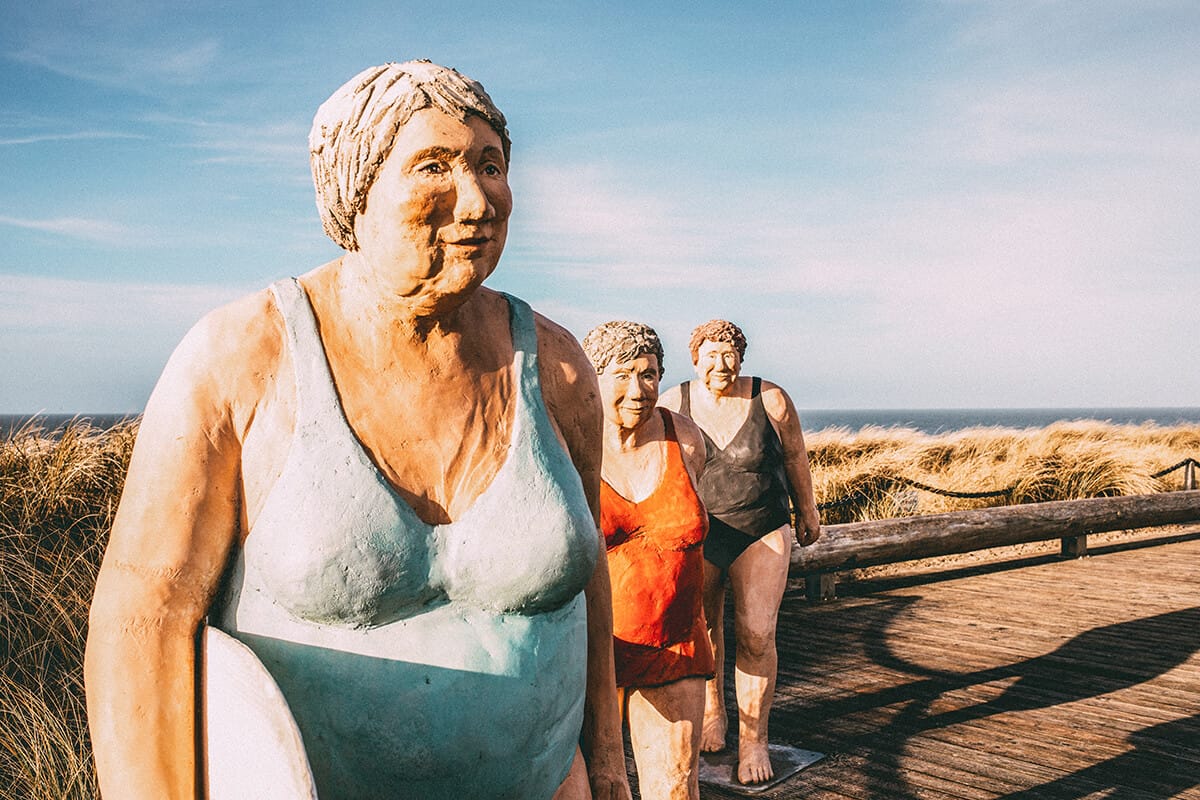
57,498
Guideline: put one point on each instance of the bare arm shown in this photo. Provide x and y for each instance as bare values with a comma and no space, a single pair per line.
572,398
172,535
786,421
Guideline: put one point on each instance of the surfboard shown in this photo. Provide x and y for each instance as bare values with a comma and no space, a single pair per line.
251,744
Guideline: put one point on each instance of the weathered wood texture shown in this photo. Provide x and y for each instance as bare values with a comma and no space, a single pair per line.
862,544
1016,681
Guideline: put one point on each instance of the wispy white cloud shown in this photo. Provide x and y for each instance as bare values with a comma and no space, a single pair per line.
138,68
71,345
66,136
72,307
93,230
283,144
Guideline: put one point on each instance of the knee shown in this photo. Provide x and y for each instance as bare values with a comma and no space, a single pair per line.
756,642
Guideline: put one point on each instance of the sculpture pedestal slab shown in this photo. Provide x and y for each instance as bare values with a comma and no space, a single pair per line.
720,769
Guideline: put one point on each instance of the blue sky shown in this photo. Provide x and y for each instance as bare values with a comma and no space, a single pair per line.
923,204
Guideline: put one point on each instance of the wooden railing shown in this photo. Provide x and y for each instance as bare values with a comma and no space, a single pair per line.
888,541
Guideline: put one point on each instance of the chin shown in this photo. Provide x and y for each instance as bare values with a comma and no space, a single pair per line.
457,282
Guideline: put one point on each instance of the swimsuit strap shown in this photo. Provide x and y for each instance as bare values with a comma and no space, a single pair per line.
685,399
755,386
668,426
316,397
523,329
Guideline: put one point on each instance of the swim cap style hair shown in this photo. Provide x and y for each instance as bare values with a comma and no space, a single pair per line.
717,330
621,341
353,131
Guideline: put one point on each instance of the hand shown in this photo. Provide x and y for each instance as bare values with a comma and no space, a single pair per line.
605,788
809,529
608,778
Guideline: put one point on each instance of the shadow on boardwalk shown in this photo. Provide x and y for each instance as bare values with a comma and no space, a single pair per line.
991,683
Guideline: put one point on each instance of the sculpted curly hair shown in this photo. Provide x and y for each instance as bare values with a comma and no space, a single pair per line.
353,131
621,341
717,330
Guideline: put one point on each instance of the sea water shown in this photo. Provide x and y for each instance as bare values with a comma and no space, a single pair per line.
932,420
928,420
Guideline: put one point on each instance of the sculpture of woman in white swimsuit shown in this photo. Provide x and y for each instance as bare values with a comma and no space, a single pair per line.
382,478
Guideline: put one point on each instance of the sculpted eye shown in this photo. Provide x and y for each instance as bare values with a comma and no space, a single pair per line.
432,168
493,170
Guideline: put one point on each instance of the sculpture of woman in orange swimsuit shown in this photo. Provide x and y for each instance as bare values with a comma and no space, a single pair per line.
654,526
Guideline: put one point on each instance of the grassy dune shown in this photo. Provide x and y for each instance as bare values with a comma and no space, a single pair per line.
1065,461
57,497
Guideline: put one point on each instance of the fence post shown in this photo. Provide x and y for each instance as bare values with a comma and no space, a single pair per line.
1074,546
1189,476
820,587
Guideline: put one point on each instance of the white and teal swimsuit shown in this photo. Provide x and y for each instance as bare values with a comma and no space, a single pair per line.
422,661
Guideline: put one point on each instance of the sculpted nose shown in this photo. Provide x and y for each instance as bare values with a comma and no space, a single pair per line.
471,201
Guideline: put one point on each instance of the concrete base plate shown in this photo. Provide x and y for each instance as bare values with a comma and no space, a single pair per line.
720,769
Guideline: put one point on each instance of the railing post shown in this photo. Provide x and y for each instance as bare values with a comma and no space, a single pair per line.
820,587
1189,476
1074,546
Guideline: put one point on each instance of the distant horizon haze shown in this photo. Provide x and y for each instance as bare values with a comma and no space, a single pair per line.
927,420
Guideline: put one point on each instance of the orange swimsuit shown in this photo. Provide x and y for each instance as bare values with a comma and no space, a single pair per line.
656,565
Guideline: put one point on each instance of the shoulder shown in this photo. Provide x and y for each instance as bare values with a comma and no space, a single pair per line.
691,442
776,401
569,385
561,358
222,364
671,398
687,432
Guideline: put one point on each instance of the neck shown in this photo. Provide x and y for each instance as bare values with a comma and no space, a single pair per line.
400,306
618,439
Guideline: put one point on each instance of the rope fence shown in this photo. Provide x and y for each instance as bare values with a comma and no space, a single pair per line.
898,481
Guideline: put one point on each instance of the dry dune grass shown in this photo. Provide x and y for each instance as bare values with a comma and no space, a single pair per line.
57,496
868,473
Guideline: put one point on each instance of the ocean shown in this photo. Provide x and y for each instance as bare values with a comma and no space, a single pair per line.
929,420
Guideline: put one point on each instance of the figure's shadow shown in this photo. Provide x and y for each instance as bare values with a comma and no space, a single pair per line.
1162,764
1097,662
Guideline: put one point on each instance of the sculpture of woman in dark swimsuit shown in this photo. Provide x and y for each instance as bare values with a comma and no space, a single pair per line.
757,465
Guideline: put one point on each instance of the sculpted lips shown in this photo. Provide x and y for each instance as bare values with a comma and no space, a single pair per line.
467,239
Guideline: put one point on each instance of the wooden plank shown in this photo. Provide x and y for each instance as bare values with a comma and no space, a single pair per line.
978,687
861,544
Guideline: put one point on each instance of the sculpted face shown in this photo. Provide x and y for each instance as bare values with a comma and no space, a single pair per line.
437,215
629,391
717,365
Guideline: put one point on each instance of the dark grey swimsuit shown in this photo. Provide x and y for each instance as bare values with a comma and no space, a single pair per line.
744,486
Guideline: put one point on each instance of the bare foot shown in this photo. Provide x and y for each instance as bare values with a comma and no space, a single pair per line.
754,763
712,734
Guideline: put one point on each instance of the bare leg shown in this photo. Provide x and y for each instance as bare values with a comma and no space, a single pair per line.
664,728
716,722
758,577
575,786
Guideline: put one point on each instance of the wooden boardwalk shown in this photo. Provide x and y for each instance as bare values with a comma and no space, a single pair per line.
1028,679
